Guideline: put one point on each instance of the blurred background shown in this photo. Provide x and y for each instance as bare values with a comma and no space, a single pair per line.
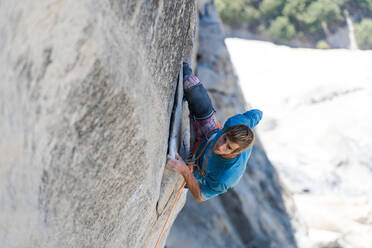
86,96
306,64
300,23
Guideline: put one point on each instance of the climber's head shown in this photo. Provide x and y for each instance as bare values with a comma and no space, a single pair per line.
233,141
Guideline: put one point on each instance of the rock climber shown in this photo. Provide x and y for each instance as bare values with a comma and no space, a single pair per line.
222,152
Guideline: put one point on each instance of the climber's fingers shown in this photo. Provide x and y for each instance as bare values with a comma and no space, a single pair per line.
171,162
176,164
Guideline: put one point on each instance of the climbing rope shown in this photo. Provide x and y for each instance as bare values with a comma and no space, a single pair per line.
174,204
191,167
172,146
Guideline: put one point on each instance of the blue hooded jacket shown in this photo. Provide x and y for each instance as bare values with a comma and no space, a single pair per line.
220,173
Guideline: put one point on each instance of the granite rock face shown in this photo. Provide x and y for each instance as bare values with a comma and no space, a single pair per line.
86,99
86,96
253,214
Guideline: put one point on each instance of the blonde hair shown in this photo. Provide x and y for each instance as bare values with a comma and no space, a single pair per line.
241,135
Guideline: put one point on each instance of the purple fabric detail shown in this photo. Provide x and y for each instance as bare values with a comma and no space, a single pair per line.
201,128
190,81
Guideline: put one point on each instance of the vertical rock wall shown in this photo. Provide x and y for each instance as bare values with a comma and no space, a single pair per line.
86,95
252,214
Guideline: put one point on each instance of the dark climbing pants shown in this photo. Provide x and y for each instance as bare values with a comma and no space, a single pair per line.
202,117
200,104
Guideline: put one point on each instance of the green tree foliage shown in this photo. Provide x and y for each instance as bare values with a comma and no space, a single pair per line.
363,34
271,8
322,44
328,11
365,4
281,29
237,12
295,9
285,19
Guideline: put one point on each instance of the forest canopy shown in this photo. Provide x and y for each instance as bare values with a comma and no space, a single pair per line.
284,20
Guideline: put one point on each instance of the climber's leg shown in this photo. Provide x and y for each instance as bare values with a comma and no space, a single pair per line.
202,117
200,104
201,128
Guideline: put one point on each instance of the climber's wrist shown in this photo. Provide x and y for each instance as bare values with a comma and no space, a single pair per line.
185,170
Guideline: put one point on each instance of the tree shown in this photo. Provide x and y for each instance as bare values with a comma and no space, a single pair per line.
365,4
237,12
272,8
363,34
281,29
295,9
322,11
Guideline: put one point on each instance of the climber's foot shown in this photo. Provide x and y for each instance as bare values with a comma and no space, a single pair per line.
187,71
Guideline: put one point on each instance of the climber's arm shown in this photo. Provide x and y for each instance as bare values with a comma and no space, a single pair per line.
193,185
180,166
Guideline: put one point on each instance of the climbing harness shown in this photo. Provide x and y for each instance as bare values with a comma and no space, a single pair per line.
191,165
193,159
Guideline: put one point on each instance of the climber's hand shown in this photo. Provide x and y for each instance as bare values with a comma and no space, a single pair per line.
177,164
187,71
